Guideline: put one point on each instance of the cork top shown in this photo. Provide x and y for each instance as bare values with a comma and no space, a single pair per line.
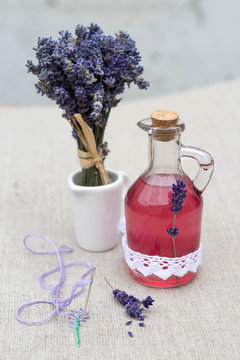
164,118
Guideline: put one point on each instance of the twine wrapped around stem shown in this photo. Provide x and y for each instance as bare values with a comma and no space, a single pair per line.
91,157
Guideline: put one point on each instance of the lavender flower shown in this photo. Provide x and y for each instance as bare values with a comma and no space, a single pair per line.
74,134
133,309
128,322
104,149
132,304
173,231
147,302
132,299
85,73
121,296
177,200
178,196
115,292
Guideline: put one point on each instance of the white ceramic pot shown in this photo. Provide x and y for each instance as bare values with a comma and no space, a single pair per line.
97,210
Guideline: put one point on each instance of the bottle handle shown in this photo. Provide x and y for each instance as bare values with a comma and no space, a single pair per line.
205,162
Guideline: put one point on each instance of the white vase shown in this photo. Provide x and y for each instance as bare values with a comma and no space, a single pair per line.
97,210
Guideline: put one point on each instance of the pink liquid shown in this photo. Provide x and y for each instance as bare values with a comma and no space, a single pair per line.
148,215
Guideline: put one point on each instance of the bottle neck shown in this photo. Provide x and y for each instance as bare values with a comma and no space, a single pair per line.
164,155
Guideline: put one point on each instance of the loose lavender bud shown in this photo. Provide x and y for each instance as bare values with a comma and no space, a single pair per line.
130,333
128,322
141,324
178,196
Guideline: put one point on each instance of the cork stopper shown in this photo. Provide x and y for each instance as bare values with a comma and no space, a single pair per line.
164,119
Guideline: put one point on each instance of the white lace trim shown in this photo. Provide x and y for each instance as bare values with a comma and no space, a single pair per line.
163,267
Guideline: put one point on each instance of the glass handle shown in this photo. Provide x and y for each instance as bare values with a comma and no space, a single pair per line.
205,162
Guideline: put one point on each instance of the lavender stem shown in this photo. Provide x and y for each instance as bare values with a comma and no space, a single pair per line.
174,249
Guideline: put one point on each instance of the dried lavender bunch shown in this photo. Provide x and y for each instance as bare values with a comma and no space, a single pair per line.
85,74
178,195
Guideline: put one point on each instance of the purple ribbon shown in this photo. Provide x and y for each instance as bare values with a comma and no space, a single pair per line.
77,289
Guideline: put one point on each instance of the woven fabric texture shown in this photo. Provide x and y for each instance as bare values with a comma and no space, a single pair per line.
198,321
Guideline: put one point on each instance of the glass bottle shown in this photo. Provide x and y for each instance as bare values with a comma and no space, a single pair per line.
156,258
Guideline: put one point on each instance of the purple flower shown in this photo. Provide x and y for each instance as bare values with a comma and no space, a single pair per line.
115,291
128,322
141,324
132,299
133,309
147,302
121,296
132,304
74,134
104,149
178,196
130,333
173,232
177,200
84,73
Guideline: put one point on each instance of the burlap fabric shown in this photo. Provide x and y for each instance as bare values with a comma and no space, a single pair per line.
198,321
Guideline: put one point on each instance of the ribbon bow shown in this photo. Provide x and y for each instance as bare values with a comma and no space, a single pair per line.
92,156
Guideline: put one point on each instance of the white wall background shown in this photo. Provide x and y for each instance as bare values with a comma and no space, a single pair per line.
183,43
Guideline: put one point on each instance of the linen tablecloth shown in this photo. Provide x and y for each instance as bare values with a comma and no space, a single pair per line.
37,153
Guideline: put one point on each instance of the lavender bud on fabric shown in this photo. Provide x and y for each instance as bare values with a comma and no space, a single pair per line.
148,302
128,322
178,196
132,299
115,292
141,324
121,296
130,333
133,309
132,304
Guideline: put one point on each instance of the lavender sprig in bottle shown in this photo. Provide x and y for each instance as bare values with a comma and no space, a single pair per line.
178,195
